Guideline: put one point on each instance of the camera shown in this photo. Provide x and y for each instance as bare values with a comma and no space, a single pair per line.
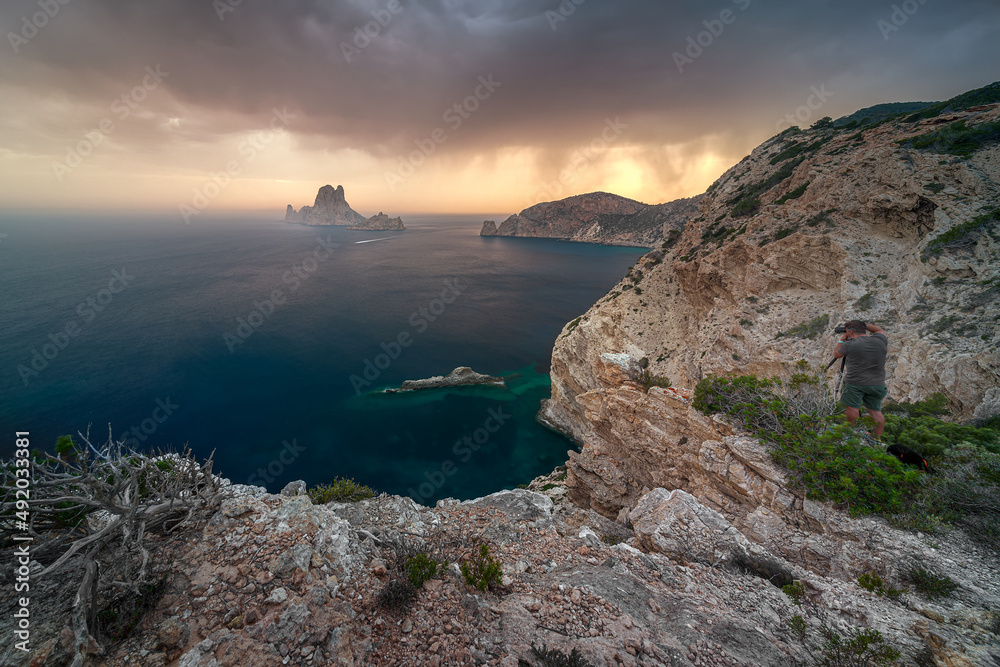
840,330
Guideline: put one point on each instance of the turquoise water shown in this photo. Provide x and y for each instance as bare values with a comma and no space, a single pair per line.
269,343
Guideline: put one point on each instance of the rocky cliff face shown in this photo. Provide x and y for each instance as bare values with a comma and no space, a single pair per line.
597,217
813,228
330,208
380,222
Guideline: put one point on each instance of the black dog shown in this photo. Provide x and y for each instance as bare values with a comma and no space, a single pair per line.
908,456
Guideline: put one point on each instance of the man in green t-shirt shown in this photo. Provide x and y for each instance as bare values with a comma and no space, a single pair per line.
864,383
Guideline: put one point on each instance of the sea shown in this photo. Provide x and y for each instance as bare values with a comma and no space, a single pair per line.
268,345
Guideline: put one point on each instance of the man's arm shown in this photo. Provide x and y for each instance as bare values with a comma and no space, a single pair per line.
838,351
873,328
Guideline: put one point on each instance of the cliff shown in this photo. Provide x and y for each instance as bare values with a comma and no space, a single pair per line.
330,208
380,222
597,217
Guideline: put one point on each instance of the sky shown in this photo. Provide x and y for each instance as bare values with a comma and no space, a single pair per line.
442,106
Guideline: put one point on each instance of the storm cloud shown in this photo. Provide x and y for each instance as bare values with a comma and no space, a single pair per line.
370,81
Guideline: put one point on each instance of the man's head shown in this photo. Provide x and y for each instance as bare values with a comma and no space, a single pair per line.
856,327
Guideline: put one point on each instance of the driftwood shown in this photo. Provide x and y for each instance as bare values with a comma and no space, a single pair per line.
91,510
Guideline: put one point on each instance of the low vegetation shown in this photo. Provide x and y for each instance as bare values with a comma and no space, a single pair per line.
809,330
830,460
961,235
555,658
340,490
794,194
930,584
482,571
873,583
956,139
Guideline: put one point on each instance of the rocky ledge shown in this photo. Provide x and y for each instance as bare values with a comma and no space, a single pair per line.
461,376
380,222
276,580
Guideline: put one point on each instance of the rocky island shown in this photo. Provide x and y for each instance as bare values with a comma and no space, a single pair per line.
460,377
597,217
329,208
379,223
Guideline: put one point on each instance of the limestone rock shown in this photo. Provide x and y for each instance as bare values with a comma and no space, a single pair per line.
296,488
461,376
330,208
380,222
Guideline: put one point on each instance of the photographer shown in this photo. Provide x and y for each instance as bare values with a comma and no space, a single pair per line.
865,380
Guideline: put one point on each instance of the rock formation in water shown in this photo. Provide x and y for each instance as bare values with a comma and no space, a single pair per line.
380,222
597,217
330,208
461,376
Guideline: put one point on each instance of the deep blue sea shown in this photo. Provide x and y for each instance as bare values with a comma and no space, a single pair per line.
267,343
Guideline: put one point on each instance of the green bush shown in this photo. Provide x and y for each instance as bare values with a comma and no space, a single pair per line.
956,139
931,584
482,571
873,583
865,302
420,568
647,379
794,194
796,591
860,647
745,207
829,461
341,490
960,234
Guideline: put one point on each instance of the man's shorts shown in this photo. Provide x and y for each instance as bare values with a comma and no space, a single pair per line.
870,395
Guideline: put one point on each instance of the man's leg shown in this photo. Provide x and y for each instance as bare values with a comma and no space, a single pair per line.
852,414
879,422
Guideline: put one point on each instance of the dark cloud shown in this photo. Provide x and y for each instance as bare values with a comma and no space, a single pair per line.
562,73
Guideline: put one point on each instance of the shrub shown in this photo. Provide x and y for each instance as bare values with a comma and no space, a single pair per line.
934,187
341,490
956,139
647,379
822,216
482,571
810,329
865,302
873,583
933,405
798,625
825,458
397,595
959,235
420,568
860,647
556,658
796,591
745,207
931,584
794,194
122,614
